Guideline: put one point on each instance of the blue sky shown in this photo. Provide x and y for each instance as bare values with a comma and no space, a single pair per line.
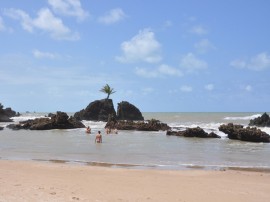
183,56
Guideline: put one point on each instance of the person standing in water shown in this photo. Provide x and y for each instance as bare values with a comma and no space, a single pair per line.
88,130
98,138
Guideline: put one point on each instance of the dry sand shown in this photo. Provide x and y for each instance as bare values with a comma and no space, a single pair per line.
39,181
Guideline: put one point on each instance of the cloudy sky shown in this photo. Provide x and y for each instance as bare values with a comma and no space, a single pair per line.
177,55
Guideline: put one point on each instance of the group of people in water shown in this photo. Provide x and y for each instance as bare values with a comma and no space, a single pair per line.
98,138
110,131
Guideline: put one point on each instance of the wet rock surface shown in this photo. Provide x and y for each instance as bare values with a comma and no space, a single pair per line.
193,132
58,121
262,121
238,132
150,125
7,113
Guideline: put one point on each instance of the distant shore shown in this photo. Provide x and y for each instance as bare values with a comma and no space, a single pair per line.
40,181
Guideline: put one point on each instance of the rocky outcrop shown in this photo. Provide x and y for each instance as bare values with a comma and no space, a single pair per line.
1,128
4,118
193,132
127,111
58,121
238,132
262,121
150,125
98,110
231,130
5,114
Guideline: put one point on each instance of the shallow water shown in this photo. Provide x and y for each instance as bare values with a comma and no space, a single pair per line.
137,148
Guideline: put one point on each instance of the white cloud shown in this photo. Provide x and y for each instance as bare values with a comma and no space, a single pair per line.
114,16
146,73
199,30
161,71
45,21
258,62
191,63
69,8
170,71
204,46
209,87
48,22
40,55
18,14
186,88
141,48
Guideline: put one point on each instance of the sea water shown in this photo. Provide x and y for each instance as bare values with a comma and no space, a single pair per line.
140,149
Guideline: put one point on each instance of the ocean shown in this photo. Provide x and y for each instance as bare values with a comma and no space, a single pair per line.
138,149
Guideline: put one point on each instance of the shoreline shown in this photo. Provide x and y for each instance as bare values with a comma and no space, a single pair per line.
40,181
148,167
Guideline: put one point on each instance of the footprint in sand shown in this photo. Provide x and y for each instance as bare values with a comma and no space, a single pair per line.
75,198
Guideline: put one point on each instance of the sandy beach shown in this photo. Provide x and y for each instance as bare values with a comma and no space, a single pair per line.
39,181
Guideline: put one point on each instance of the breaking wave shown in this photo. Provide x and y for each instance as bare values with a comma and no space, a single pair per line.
242,117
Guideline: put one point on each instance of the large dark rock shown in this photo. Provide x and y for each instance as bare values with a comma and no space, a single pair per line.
6,114
150,125
1,128
262,121
127,111
193,132
4,118
98,110
58,121
238,132
231,130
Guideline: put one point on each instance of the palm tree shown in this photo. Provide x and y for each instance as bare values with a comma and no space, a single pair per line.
108,90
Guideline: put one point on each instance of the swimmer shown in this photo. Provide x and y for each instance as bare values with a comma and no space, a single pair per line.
98,138
88,130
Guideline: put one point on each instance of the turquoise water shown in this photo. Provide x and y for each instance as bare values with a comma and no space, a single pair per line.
140,149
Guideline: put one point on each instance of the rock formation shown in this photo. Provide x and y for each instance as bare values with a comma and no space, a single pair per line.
58,121
193,132
151,125
238,132
127,111
262,121
5,114
98,110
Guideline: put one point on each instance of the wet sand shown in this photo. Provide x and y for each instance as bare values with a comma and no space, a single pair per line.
41,181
